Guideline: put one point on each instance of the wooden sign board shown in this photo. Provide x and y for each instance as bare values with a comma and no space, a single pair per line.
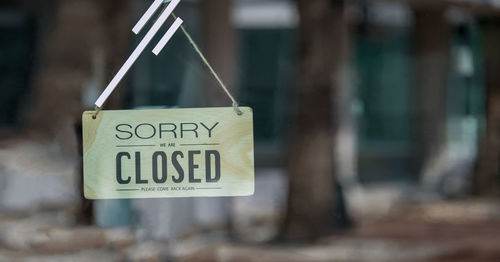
202,152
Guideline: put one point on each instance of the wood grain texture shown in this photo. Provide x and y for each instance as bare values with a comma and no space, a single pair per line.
194,134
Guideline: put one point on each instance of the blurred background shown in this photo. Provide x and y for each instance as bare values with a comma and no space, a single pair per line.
377,129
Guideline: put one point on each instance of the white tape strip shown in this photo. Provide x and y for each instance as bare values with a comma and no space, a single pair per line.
137,52
145,18
164,40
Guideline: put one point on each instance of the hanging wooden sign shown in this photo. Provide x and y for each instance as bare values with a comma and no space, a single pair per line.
168,153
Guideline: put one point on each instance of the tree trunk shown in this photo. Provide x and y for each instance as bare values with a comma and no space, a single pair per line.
86,34
431,47
323,33
82,30
487,177
219,46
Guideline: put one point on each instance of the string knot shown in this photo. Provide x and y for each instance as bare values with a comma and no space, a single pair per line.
97,110
237,108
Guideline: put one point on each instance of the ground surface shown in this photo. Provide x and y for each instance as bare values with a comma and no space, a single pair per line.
438,232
